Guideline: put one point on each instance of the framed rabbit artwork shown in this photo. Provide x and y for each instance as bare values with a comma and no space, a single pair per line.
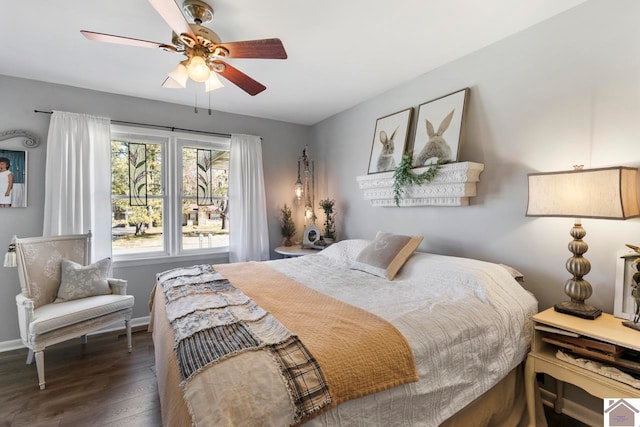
440,129
389,141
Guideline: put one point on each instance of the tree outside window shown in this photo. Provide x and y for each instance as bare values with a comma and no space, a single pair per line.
147,204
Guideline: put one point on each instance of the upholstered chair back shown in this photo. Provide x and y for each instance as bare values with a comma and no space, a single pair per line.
39,260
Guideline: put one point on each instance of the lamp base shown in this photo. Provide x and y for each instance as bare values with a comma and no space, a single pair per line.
578,309
632,325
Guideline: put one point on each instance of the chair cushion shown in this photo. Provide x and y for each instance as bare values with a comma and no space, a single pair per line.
54,316
81,281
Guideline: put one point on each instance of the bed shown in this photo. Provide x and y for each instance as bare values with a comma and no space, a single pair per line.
466,322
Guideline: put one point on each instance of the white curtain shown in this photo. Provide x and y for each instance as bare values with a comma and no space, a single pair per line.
78,179
249,235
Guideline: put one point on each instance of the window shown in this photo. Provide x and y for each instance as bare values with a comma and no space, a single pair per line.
204,201
169,193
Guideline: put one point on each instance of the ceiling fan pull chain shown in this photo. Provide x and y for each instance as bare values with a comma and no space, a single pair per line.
210,102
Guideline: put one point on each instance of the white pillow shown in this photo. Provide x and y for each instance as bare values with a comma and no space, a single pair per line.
345,252
78,281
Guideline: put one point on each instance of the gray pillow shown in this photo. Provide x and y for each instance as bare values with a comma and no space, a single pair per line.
386,254
78,281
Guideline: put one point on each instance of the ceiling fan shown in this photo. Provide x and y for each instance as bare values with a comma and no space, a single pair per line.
202,47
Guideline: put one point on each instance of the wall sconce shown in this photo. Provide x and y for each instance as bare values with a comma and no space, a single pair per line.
10,256
304,191
304,187
607,193
298,187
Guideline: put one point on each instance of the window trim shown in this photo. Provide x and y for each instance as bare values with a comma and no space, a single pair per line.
171,143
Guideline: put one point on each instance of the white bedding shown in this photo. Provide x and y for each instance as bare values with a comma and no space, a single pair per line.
467,322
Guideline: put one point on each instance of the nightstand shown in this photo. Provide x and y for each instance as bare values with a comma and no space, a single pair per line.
294,251
606,331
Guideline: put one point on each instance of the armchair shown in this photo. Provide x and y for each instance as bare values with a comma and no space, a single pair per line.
44,317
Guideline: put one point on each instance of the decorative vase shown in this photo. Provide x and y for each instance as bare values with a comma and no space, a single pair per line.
287,241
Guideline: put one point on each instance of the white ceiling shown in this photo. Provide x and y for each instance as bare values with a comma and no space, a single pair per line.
341,52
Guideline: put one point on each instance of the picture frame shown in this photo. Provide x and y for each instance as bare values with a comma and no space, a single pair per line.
623,302
17,165
390,138
440,129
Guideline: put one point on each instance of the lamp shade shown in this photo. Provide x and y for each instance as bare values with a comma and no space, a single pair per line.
170,83
609,193
177,78
213,82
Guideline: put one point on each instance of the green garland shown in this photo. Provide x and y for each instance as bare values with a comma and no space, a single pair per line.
402,176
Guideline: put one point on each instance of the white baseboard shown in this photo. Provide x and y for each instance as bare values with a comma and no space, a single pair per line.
10,345
16,344
574,409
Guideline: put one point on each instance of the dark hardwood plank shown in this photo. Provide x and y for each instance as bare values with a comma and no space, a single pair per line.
97,384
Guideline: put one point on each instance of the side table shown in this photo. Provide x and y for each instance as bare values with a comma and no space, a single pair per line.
606,330
294,251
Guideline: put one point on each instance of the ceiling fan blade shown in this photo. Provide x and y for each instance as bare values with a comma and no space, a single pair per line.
108,38
264,49
240,79
173,16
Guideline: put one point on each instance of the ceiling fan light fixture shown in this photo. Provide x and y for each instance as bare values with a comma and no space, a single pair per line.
169,83
202,47
179,75
198,69
213,82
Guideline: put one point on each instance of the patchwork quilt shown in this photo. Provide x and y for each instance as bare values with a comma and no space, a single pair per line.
222,335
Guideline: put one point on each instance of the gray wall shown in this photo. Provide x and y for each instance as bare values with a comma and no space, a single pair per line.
564,92
282,144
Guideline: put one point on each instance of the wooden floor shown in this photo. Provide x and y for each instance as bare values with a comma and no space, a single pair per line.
97,384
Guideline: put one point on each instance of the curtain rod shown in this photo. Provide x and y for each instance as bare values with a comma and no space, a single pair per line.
171,128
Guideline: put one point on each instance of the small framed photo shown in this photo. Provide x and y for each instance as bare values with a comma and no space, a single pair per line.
389,141
440,129
13,179
624,304
310,237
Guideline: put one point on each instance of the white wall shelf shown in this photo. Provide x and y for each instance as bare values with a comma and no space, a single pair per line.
454,184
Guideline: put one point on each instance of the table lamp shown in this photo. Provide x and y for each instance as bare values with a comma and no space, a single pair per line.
607,193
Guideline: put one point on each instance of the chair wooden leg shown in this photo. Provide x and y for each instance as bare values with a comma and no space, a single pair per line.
83,339
40,368
30,357
128,325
